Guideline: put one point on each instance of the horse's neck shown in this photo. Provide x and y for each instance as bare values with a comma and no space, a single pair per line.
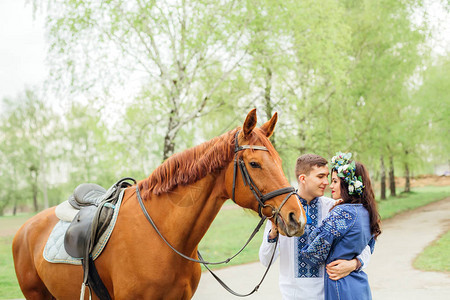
186,213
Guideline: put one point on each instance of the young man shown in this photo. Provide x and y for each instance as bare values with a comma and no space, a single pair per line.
299,280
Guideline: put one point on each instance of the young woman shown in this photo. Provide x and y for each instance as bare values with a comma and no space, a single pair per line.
348,228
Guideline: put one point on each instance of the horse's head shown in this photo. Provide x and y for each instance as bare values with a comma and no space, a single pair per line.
255,178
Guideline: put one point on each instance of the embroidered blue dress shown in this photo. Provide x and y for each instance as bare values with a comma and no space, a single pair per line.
343,234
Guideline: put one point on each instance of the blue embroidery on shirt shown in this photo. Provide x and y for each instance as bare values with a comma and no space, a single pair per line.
304,270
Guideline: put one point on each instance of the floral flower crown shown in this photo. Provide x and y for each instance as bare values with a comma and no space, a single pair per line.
346,170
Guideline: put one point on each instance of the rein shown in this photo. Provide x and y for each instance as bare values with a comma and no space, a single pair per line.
260,197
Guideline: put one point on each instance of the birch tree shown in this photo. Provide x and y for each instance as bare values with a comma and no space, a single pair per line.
180,56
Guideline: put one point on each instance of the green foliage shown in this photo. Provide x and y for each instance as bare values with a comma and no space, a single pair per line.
140,80
432,110
27,135
435,257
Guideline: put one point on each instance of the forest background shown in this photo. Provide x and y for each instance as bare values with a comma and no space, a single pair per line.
132,82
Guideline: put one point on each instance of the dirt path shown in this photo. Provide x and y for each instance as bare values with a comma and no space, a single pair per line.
390,271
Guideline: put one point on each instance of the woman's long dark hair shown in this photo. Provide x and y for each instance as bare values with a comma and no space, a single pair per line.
367,199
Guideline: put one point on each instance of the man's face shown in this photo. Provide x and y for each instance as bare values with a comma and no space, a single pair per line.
315,182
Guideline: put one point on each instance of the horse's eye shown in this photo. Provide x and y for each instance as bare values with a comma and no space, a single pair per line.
255,165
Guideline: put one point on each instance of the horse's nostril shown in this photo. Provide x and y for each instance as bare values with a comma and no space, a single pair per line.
292,218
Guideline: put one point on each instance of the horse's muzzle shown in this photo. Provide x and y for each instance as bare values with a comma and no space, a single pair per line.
290,225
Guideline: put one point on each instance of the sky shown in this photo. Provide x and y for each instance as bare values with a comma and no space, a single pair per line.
23,46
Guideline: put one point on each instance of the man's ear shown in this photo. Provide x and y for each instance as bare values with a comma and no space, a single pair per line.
301,178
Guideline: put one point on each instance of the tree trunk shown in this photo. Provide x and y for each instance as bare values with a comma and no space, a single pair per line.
169,145
407,180
34,187
382,179
44,182
407,174
268,98
391,176
16,198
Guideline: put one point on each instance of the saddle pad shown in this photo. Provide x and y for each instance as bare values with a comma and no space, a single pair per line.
66,212
54,250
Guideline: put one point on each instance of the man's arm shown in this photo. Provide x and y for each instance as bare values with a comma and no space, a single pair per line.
340,268
267,245
364,257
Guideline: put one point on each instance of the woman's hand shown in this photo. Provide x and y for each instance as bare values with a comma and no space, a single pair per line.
340,268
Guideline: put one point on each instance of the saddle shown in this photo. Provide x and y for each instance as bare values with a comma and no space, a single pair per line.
96,208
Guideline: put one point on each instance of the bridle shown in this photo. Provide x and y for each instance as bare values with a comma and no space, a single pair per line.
260,197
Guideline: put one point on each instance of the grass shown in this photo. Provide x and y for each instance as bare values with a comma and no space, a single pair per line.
9,287
231,229
408,201
435,257
228,233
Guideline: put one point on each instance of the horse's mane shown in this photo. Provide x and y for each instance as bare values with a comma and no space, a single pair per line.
195,163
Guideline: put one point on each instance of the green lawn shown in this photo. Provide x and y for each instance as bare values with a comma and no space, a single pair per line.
230,230
228,233
435,257
407,201
9,287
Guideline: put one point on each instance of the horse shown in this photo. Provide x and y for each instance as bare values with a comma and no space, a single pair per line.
183,196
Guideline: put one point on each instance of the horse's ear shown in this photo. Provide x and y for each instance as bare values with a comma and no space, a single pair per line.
250,123
269,126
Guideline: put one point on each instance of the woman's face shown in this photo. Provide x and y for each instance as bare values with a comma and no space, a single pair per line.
335,186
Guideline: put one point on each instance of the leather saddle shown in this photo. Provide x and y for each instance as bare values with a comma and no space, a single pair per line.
96,208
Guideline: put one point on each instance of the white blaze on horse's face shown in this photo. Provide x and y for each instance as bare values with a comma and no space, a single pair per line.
264,169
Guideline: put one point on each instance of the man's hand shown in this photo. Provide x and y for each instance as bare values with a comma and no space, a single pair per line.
273,232
340,268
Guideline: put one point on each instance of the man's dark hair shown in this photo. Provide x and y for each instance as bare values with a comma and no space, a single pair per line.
306,162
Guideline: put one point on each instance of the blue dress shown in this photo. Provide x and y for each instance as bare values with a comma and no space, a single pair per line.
343,234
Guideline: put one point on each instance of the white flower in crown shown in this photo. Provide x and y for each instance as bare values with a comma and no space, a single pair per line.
351,188
358,184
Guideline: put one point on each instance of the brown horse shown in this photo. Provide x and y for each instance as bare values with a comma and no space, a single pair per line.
183,196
